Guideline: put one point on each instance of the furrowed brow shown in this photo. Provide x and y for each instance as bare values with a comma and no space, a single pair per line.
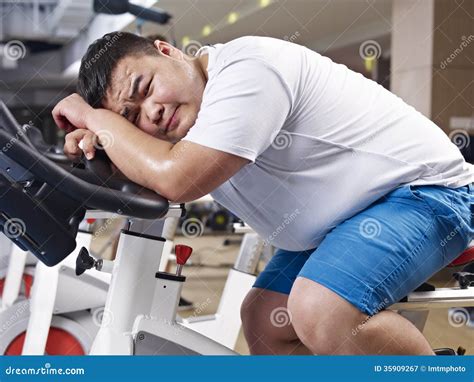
135,85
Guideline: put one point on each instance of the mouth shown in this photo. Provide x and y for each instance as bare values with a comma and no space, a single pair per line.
172,122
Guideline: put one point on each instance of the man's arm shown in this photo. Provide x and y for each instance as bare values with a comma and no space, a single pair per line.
180,173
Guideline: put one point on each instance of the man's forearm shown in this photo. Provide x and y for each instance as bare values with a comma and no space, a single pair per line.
140,157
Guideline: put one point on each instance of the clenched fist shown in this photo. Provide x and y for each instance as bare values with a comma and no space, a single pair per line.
72,113
79,141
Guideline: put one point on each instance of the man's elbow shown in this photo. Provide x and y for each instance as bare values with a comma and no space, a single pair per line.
178,194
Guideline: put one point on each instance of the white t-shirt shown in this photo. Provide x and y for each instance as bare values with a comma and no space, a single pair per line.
325,142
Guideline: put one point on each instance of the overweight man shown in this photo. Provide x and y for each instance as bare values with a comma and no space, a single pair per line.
363,197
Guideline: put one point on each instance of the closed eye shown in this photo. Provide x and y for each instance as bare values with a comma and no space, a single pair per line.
147,89
136,119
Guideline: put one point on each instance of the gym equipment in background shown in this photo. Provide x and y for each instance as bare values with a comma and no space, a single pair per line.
118,7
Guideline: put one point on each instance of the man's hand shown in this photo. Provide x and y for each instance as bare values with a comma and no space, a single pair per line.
80,140
72,112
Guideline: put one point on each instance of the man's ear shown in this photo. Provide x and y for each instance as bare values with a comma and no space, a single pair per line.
167,49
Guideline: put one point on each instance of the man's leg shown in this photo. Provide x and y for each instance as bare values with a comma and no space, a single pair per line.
267,324
265,317
371,261
328,324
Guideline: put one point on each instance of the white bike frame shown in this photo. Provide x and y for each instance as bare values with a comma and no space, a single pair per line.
57,290
141,308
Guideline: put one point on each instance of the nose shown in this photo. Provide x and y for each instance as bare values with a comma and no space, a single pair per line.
154,112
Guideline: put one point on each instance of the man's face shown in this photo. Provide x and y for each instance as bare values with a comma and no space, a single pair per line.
159,94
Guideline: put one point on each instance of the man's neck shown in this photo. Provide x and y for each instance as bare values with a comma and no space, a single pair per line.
201,65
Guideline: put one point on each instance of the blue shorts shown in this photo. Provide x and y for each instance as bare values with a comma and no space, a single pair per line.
378,256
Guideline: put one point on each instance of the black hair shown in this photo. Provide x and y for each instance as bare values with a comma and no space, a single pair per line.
156,36
102,57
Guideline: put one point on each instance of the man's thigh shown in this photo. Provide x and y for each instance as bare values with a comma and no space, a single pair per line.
378,256
281,271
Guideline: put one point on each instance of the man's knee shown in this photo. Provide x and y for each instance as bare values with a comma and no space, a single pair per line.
321,319
257,310
265,318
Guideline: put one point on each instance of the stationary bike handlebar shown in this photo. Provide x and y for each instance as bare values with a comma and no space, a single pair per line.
143,203
44,196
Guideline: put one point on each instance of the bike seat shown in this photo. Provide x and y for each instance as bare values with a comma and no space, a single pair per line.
464,258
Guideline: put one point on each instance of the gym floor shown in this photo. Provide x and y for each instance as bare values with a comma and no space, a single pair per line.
207,272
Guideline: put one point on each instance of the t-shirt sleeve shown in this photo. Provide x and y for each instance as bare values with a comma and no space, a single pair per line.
243,109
